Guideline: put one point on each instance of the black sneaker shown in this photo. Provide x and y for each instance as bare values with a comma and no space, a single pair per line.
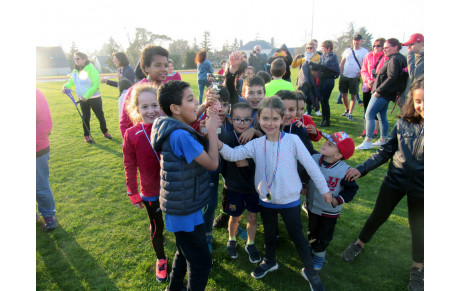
51,223
221,221
261,270
88,139
231,249
353,250
345,113
254,256
416,281
107,135
314,281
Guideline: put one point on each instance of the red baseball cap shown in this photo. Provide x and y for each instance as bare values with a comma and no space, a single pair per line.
416,37
343,142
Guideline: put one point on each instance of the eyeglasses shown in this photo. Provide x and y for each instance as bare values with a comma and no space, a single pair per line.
378,45
77,59
238,120
309,48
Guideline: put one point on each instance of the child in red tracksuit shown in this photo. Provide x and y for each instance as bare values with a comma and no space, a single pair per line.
138,154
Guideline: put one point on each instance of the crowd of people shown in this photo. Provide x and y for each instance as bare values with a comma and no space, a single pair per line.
256,132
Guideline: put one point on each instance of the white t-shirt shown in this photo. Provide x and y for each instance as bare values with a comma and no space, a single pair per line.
351,68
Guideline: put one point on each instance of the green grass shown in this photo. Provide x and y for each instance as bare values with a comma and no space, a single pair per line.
103,241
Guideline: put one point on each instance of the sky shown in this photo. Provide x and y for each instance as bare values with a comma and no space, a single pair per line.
90,23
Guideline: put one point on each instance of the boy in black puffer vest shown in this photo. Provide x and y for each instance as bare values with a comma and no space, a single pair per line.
185,162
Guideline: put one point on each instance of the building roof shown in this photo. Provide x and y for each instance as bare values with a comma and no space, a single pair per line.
250,45
51,57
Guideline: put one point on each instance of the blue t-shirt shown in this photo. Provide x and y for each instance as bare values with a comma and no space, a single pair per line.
184,146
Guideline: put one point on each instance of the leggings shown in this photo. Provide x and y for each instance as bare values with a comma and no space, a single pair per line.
156,227
386,202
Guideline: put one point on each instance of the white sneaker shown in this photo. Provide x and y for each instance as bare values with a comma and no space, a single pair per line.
366,145
318,113
306,113
379,143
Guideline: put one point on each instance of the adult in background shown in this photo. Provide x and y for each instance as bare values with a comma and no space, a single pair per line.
390,81
85,78
308,85
328,70
204,68
316,46
172,75
124,70
350,73
258,59
415,62
44,196
372,64
286,56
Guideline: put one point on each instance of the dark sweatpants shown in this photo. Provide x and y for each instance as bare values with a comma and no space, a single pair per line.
96,105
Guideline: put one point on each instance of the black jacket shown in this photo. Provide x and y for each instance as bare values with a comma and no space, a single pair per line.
391,79
405,148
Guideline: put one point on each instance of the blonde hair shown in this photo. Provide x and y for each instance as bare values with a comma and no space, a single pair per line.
132,108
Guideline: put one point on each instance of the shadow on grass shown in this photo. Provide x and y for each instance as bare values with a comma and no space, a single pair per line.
109,149
68,264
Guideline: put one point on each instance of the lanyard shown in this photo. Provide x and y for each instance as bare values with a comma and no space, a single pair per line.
269,184
236,136
150,142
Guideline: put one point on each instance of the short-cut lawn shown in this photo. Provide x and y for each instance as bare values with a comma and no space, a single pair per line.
103,241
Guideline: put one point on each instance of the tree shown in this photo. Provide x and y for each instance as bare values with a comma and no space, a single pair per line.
346,39
235,45
142,38
108,48
73,50
177,50
189,60
206,43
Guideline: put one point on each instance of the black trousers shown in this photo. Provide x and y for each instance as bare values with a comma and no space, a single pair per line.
157,227
366,98
385,204
293,223
192,254
321,229
96,105
325,88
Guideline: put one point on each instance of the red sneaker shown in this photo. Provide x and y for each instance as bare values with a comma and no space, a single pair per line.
162,272
363,134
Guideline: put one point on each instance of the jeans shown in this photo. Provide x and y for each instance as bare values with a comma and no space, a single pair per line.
325,90
192,254
210,209
377,107
293,223
384,205
201,85
96,105
45,199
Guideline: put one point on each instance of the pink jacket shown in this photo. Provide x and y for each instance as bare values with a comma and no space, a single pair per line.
43,123
368,65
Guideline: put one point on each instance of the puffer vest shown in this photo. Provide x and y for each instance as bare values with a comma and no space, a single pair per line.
184,187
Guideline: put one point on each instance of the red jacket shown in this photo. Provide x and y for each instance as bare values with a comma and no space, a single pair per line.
125,121
308,120
138,154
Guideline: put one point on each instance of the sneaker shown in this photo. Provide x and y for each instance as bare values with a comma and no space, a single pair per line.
231,249
366,145
364,133
318,113
162,272
305,207
416,280
88,139
345,113
254,256
261,270
209,241
351,252
221,221
379,143
375,133
242,233
314,281
318,262
50,223
350,117
107,135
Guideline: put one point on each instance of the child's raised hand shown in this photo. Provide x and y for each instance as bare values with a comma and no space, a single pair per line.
212,123
242,163
211,97
328,197
139,205
247,135
299,123
235,59
312,129
352,174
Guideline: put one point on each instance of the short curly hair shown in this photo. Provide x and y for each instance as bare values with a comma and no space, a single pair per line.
148,53
171,92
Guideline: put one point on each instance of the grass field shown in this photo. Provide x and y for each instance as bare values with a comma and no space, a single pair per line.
103,241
